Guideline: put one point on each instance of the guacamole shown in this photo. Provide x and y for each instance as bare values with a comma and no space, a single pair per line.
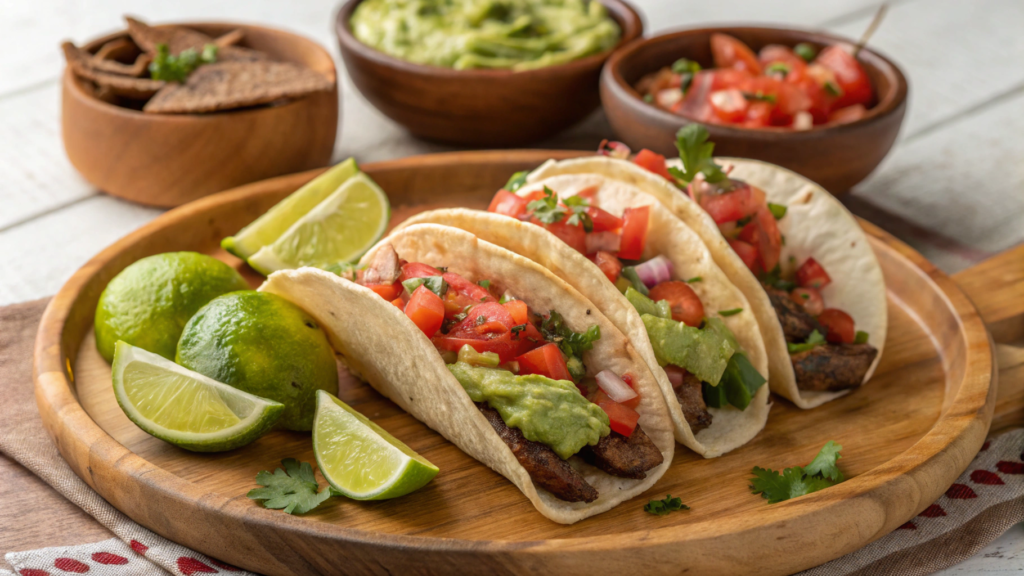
551,412
703,352
464,34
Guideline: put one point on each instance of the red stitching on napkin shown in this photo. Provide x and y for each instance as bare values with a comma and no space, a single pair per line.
986,477
108,558
70,565
139,547
960,492
933,511
190,566
1010,467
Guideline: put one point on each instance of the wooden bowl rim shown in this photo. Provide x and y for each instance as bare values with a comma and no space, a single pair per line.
74,84
888,104
631,26
56,396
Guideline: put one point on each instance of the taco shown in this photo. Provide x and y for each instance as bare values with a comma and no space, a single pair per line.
795,252
656,281
500,357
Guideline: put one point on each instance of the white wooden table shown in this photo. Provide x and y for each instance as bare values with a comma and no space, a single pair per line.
953,187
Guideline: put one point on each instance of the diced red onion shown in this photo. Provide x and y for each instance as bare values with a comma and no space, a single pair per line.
803,121
613,149
654,271
614,387
675,375
607,241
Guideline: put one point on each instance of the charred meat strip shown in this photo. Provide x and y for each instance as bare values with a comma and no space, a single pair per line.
624,457
691,399
797,324
385,267
546,469
833,367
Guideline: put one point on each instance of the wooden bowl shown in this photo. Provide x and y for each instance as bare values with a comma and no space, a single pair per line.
170,159
837,157
495,108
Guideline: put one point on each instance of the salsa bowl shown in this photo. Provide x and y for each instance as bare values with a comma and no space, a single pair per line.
835,156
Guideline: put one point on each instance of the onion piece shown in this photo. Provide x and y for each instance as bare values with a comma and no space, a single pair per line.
613,149
654,271
607,241
675,375
614,387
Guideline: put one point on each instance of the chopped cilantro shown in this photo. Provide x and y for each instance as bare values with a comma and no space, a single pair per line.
833,89
346,270
517,329
435,284
861,337
171,68
777,210
821,473
506,297
546,209
694,279
293,489
648,98
629,273
663,507
813,341
480,320
805,51
516,181
685,66
695,152
571,343
484,283
731,312
759,97
775,280
578,206
778,68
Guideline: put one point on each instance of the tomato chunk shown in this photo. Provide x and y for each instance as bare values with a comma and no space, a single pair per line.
812,275
388,291
501,345
730,52
603,220
601,396
527,339
809,298
848,114
769,239
488,318
653,162
621,418
572,234
466,288
746,252
545,361
729,206
507,204
850,75
609,264
685,304
634,232
417,270
729,105
426,310
518,310
839,325
398,303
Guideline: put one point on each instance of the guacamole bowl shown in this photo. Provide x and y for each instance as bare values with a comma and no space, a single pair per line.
480,107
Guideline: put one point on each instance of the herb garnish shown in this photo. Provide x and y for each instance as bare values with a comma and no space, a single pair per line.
685,66
778,210
516,181
778,68
731,312
695,152
775,280
694,279
822,472
578,206
484,283
171,68
547,209
759,96
648,98
813,341
346,270
861,337
516,330
805,51
571,343
663,507
833,89
435,284
293,489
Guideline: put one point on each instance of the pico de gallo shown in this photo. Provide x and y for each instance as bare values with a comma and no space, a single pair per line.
524,370
698,353
827,351
782,87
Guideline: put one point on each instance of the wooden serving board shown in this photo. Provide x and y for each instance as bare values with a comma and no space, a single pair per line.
907,435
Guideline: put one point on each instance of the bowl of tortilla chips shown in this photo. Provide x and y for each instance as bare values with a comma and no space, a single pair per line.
162,115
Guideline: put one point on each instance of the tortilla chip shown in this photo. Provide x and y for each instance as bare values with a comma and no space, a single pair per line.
179,38
227,85
109,60
83,65
120,49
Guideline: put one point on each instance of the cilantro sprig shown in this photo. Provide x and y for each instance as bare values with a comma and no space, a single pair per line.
293,489
571,343
516,181
813,341
696,153
664,506
549,210
821,473
171,68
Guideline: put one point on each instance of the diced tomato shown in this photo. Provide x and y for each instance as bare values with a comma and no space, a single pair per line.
602,242
609,264
778,54
850,75
789,101
848,114
589,192
572,234
518,310
685,304
546,361
398,303
759,115
600,396
652,162
746,252
417,270
508,204
694,104
812,275
809,298
466,288
729,105
502,345
527,339
769,239
621,418
820,101
426,310
730,52
729,206
455,302
603,220
493,315
839,325
634,232
388,291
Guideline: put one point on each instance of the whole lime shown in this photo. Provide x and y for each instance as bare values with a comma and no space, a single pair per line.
262,344
149,302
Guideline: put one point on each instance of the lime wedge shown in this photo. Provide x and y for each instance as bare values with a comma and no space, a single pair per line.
360,459
339,229
185,408
270,226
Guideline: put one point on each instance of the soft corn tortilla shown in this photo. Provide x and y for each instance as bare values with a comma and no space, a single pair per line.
668,236
393,355
816,224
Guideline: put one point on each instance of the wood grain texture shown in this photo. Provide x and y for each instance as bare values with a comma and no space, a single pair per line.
170,159
908,434
837,157
492,108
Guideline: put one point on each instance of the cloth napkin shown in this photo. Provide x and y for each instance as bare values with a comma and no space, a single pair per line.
983,503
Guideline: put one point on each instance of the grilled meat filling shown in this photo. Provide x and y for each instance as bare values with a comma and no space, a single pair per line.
385,267
832,367
546,469
797,324
691,399
624,457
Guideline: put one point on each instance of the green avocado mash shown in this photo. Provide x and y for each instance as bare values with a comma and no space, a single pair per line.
463,34
551,412
703,352
645,305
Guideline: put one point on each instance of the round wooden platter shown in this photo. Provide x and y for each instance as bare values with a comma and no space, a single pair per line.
906,435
